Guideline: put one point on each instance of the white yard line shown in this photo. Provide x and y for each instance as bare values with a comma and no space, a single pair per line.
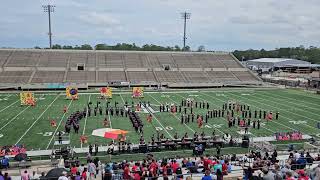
175,115
160,123
224,102
122,98
109,117
37,119
58,125
303,94
284,109
282,116
85,120
9,105
272,96
14,118
207,123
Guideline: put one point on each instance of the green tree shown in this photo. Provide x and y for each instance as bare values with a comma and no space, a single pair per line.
56,46
86,47
201,48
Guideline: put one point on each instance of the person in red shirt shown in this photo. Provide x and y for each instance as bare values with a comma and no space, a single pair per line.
175,166
65,109
84,174
302,175
126,172
136,175
206,163
74,170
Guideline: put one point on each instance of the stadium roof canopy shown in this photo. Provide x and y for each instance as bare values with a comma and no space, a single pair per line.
280,62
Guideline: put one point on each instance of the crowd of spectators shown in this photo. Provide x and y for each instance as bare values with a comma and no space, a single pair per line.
254,166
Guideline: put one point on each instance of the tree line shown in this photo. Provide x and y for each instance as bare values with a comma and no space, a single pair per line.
310,54
121,46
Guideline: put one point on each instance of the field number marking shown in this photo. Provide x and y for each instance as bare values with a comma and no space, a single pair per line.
213,126
51,133
167,128
298,122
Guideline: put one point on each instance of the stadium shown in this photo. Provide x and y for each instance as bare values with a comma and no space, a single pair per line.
184,84
136,112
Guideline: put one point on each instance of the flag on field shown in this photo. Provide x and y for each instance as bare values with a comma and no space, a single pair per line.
72,92
137,92
106,92
27,98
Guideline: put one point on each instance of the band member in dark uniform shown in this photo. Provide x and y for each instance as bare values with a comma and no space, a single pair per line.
95,111
249,122
207,105
255,113
258,124
207,118
179,109
249,114
188,119
192,117
233,121
100,110
185,110
277,115
182,117
196,104
264,114
260,114
254,124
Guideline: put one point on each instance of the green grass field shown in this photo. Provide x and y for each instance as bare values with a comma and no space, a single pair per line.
30,126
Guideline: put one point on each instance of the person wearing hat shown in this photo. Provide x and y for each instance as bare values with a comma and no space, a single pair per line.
63,176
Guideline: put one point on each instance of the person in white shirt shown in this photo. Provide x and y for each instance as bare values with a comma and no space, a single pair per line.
63,176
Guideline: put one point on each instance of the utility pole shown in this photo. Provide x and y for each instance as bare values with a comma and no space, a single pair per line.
185,16
49,9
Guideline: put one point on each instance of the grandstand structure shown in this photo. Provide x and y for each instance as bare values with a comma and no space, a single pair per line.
98,68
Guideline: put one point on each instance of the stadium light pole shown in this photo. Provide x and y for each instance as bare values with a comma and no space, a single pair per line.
185,16
49,9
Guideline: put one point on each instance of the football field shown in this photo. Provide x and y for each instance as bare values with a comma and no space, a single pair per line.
31,127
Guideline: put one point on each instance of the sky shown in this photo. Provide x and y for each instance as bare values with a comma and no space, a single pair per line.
223,25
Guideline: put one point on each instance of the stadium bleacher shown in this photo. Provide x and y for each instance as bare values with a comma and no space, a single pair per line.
59,66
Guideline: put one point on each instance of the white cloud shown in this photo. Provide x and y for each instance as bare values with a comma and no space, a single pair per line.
99,19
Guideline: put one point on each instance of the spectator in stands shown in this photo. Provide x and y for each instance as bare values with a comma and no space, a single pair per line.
25,175
302,162
207,176
74,170
85,174
43,176
92,169
6,176
78,176
63,176
309,158
34,175
289,175
217,166
219,174
302,175
267,175
5,162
